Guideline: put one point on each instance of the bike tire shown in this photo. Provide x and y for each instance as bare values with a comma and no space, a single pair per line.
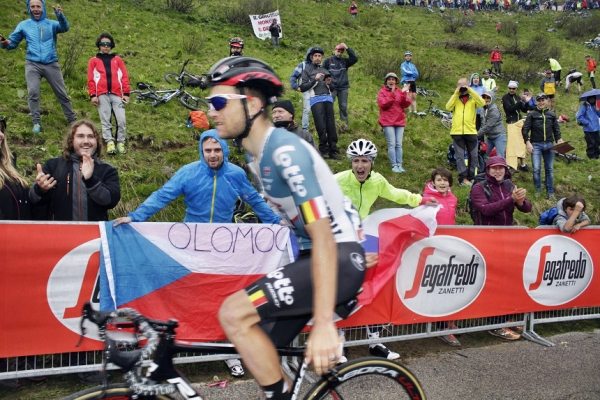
358,378
172,78
432,93
192,102
115,391
447,123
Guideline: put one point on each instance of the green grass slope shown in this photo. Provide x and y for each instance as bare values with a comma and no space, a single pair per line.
154,40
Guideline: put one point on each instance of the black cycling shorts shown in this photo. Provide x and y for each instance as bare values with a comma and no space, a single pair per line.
412,87
284,297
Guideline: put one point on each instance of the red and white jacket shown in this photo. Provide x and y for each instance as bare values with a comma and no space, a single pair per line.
97,78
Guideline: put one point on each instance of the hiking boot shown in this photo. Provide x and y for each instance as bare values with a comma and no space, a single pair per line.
121,148
379,350
524,168
505,333
37,128
235,367
450,339
110,147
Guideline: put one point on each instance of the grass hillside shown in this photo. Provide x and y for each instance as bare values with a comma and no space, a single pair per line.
154,39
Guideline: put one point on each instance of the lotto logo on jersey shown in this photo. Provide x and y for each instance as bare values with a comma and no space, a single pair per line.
557,270
280,288
440,275
290,172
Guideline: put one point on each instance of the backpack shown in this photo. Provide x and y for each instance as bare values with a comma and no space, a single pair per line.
480,179
548,216
197,120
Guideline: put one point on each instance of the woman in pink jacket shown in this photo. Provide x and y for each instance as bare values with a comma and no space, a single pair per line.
392,101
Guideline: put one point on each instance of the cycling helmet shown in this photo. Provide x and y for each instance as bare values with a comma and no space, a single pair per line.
362,148
236,42
391,75
407,53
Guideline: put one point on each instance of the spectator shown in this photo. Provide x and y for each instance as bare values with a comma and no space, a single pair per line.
494,200
475,83
496,59
540,133
392,101
410,74
548,86
275,30
363,186
588,117
282,114
41,59
353,10
573,76
571,214
513,105
463,103
77,186
295,80
555,68
338,67
236,46
198,183
14,189
317,81
492,129
108,87
590,65
489,83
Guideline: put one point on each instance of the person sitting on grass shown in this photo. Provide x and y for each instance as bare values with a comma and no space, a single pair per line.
571,214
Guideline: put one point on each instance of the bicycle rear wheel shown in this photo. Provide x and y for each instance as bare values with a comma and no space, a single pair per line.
192,102
358,379
172,77
116,391
432,93
447,122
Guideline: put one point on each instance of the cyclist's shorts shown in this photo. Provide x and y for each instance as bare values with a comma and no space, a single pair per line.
412,87
287,293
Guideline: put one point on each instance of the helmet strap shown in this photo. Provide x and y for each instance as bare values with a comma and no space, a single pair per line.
249,119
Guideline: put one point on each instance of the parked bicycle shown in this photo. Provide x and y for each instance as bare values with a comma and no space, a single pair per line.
144,350
444,116
427,92
148,93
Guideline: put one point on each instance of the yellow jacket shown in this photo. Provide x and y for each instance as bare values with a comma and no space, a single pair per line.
463,114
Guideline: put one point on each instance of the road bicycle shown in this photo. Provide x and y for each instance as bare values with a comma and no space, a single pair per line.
427,92
147,92
444,116
144,348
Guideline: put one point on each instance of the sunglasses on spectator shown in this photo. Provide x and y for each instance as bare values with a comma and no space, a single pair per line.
105,44
219,101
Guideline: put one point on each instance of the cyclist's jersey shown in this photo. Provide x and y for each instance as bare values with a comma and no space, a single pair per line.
300,184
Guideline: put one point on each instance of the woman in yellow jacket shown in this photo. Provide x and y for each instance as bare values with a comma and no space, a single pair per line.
463,104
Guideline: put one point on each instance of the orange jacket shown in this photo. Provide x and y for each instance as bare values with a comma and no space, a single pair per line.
591,64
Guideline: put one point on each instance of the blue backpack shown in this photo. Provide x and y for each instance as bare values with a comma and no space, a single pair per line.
548,216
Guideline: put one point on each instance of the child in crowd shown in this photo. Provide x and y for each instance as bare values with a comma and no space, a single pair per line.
571,214
439,188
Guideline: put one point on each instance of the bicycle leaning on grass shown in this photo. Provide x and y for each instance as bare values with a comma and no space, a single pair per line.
144,349
444,116
148,93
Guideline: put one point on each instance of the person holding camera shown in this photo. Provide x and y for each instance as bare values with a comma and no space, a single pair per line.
463,104
41,57
108,87
338,65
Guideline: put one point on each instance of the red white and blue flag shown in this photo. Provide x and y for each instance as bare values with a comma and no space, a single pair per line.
185,271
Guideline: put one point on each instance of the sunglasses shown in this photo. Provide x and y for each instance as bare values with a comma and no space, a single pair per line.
105,44
219,101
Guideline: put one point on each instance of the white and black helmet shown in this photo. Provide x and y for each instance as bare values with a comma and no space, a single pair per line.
362,148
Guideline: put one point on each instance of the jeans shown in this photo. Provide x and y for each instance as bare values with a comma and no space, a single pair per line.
499,142
107,105
543,150
393,137
342,98
466,145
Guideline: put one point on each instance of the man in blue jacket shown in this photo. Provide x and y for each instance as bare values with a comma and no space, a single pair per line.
210,187
41,58
410,74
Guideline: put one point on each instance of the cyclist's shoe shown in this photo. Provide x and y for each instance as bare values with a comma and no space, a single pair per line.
37,128
450,339
379,350
121,148
235,367
110,147
505,333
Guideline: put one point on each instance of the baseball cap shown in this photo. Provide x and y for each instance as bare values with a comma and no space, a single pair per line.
495,161
513,84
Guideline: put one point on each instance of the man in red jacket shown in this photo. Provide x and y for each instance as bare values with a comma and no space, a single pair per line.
108,87
590,64
496,60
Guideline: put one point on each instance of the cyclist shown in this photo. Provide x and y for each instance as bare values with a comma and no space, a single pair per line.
325,278
236,46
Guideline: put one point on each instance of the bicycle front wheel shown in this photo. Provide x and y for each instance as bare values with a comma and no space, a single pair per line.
192,102
358,379
116,391
447,122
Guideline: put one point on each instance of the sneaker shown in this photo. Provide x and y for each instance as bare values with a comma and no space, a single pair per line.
121,148
524,168
380,350
110,147
395,169
37,128
400,169
450,339
235,367
505,333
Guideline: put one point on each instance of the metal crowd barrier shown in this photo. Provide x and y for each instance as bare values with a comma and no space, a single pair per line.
66,363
